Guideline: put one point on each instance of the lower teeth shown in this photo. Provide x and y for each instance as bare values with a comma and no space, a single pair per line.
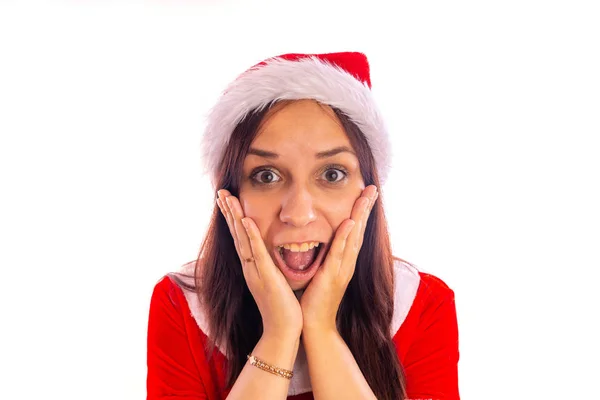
301,268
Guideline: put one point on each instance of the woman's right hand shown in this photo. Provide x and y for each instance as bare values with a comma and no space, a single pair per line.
278,306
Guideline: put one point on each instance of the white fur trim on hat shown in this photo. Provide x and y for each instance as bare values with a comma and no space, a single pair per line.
306,78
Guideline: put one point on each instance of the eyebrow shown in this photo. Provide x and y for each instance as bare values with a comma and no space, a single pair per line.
319,155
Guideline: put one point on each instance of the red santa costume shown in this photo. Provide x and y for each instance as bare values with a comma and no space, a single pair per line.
424,324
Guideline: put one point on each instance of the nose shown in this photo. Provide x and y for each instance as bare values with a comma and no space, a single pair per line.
297,207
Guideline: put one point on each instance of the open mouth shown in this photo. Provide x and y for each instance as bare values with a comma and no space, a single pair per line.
299,257
297,264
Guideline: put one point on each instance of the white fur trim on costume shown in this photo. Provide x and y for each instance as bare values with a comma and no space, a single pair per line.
406,283
186,274
307,78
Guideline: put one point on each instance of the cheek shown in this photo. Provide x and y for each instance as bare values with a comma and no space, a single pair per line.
261,210
339,209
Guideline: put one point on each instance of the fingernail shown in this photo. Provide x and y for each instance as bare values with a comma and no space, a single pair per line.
245,223
351,226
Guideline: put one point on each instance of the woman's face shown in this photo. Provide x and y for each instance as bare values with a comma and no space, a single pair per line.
300,180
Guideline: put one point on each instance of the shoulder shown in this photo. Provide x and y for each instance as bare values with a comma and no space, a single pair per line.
416,292
406,284
169,285
176,349
166,294
172,294
427,340
176,290
434,288
432,293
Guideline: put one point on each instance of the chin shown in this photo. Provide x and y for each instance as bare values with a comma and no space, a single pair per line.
298,285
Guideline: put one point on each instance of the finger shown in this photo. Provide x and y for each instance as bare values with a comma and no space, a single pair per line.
224,211
248,268
264,263
249,263
228,217
223,194
336,253
244,249
360,214
362,202
364,221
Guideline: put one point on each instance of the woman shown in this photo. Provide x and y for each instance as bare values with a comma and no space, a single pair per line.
295,293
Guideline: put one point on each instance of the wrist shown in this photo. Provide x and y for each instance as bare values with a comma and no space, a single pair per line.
281,336
277,350
319,329
319,340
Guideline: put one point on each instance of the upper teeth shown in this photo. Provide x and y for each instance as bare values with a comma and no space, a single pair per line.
295,247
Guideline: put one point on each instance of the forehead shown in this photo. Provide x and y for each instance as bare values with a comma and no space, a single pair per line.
305,124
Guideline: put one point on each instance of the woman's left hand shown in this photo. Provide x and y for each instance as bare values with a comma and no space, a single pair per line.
321,299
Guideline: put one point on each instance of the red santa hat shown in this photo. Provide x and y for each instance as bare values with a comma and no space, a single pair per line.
340,80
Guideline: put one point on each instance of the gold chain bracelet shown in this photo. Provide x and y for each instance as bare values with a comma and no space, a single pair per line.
257,362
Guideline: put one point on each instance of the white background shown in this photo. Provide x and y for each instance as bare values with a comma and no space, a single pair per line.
494,112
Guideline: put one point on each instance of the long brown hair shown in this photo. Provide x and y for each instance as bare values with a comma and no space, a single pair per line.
366,310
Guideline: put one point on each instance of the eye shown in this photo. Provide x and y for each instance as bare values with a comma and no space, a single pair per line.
334,175
265,176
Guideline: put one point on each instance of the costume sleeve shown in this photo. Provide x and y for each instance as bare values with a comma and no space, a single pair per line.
431,363
172,371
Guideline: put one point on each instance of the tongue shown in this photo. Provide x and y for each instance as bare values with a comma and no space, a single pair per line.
299,260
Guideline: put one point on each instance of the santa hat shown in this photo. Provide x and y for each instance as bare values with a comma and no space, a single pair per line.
340,80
